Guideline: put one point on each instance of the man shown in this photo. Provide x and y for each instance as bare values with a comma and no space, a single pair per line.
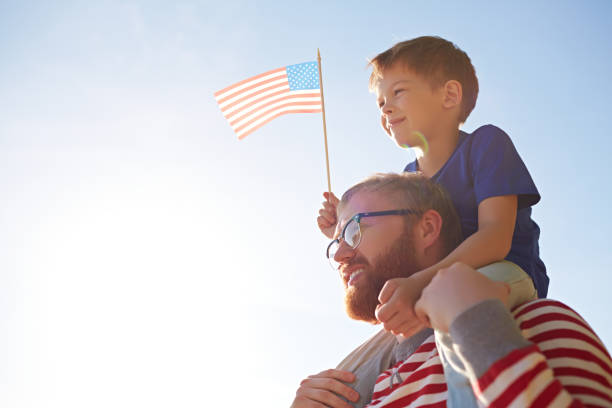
543,354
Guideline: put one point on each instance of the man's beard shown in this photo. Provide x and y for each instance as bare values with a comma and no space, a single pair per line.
398,262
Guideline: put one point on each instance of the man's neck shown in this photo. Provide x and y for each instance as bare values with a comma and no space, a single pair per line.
439,150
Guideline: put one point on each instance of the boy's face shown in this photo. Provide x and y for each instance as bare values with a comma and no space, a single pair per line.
410,110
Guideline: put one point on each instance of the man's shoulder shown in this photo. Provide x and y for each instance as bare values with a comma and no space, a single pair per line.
542,305
543,315
379,346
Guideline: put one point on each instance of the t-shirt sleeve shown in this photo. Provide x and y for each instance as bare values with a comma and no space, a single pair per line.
497,169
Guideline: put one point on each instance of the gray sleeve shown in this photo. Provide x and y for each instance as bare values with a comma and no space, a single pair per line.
484,334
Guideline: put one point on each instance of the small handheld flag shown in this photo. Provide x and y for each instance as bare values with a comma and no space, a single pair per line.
250,104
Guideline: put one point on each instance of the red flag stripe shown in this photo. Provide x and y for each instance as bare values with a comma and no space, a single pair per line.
271,111
286,97
247,101
238,84
275,83
242,135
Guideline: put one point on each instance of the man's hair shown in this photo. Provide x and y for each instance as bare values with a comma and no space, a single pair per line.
416,192
435,59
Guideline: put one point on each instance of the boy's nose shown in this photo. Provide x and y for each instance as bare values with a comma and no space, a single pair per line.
387,107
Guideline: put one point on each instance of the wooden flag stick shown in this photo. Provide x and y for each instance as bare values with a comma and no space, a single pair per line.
324,126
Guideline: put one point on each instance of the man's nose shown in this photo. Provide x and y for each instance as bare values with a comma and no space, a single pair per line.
344,252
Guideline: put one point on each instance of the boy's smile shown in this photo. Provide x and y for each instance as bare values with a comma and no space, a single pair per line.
408,106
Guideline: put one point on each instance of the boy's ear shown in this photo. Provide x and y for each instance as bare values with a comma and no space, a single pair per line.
453,93
383,123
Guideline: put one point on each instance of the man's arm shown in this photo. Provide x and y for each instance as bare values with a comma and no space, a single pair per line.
543,355
322,390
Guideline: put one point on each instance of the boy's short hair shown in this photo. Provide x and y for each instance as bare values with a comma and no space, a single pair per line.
418,193
435,59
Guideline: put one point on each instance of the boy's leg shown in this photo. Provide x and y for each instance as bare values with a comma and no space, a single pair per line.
521,290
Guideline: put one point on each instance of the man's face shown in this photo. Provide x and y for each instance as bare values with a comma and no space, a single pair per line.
385,252
410,110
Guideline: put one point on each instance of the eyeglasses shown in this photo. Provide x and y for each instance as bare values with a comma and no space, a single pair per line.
351,233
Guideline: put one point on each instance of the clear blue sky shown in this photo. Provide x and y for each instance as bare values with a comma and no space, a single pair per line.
148,258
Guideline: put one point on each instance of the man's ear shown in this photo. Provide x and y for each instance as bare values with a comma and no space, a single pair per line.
383,123
453,94
428,229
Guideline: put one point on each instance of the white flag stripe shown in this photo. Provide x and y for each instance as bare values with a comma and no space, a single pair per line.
254,81
254,110
273,87
281,90
275,112
262,99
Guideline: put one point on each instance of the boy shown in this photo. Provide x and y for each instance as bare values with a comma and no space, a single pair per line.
425,89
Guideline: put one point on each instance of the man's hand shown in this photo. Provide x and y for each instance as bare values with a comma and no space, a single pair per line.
320,390
396,309
327,218
453,291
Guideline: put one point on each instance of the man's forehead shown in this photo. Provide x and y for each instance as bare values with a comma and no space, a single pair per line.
362,201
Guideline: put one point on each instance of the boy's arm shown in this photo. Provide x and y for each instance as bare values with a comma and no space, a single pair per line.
491,243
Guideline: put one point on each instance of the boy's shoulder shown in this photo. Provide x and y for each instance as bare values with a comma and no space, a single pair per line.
486,137
488,131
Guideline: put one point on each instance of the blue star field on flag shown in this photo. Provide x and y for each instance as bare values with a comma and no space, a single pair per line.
303,76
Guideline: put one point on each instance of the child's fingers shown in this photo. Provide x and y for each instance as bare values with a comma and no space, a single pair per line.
387,290
331,198
322,222
385,312
329,207
330,216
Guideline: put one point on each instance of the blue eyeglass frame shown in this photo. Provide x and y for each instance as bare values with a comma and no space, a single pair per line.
357,218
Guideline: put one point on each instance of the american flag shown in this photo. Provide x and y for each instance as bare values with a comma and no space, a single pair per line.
250,104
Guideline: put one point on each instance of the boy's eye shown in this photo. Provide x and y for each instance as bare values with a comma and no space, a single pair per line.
397,91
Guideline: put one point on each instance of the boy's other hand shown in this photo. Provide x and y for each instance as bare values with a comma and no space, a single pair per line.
396,309
327,215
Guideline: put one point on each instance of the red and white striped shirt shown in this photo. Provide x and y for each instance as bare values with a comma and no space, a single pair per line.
566,366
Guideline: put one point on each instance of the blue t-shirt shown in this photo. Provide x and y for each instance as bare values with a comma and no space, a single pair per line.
486,164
